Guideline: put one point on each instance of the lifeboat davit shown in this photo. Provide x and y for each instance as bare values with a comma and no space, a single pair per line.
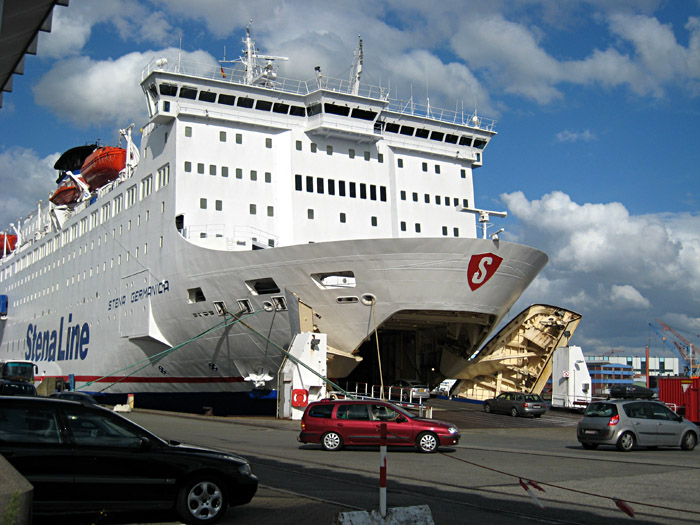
67,192
7,243
102,166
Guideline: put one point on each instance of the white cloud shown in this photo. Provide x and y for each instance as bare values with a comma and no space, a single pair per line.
612,267
89,92
576,136
73,26
27,179
627,296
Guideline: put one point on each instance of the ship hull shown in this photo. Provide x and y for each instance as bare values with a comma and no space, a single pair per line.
149,335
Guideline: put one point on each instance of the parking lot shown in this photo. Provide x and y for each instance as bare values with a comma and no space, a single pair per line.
476,481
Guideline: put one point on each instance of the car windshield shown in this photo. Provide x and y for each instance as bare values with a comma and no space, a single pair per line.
600,410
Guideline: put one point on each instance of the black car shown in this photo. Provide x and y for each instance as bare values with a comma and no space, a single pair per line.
71,395
631,392
85,458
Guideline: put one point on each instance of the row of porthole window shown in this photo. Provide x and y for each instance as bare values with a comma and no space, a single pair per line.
367,155
329,185
438,199
417,228
72,280
223,137
224,171
424,168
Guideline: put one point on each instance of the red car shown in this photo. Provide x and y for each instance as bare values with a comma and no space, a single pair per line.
336,423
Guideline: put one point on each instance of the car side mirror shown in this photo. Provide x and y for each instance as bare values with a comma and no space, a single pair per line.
145,443
401,419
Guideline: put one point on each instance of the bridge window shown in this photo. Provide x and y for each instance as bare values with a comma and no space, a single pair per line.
207,96
188,92
335,109
168,90
227,100
363,114
245,102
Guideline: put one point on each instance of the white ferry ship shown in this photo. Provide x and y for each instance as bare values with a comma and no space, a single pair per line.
256,208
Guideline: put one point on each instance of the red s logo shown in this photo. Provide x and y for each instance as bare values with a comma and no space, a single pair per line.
481,268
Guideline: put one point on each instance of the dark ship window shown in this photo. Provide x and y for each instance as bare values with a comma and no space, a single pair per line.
313,109
245,102
391,127
278,107
180,222
229,100
335,109
207,96
480,144
168,89
437,135
187,92
465,141
263,105
363,114
422,133
262,286
195,295
297,111
407,130
451,139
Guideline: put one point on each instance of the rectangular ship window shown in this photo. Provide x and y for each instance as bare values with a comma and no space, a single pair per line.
262,286
244,306
331,280
227,100
280,303
195,295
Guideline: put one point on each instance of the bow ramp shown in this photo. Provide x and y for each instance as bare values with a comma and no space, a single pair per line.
518,358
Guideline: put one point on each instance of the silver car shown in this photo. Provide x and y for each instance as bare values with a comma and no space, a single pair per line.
626,423
516,404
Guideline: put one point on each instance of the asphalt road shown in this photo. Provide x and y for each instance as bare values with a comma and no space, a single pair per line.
476,482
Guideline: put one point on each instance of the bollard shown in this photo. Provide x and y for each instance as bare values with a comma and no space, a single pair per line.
382,470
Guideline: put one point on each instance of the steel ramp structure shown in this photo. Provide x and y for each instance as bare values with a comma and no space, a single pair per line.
517,359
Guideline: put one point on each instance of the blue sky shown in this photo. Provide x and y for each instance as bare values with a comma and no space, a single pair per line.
597,103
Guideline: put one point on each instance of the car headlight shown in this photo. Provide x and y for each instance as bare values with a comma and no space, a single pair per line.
452,430
244,469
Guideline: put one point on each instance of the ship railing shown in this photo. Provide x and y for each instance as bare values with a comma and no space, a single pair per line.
394,394
233,75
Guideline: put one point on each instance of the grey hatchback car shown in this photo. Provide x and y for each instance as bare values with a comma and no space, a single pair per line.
626,423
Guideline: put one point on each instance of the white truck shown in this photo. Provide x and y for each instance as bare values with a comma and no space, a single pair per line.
17,378
571,381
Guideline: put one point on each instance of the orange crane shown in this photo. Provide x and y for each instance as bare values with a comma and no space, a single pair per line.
686,350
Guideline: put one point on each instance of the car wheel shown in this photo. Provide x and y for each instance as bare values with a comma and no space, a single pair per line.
625,443
427,442
589,446
514,412
487,408
332,441
689,441
201,500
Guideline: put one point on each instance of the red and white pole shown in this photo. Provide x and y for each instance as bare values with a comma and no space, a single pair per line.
382,470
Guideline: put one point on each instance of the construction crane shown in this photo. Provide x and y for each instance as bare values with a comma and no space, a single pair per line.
679,345
611,352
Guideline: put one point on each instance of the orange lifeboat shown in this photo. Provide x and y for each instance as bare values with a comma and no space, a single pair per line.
7,243
67,192
102,166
